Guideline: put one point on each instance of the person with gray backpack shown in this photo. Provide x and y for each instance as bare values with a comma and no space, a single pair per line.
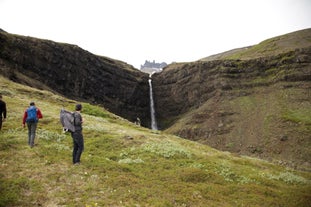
77,136
31,116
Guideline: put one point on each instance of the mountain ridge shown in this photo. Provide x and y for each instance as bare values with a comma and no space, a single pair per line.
269,47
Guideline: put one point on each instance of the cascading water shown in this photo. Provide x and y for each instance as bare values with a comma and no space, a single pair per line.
152,111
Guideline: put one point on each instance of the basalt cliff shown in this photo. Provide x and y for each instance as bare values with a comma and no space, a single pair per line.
76,73
252,101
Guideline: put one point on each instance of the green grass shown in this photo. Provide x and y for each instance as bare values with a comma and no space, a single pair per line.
272,46
298,116
127,165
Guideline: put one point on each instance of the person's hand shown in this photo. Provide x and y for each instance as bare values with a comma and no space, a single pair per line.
23,125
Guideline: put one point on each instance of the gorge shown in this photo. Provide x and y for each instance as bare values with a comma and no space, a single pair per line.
251,101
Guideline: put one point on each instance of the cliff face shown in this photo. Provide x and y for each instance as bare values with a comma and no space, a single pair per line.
75,73
185,86
258,107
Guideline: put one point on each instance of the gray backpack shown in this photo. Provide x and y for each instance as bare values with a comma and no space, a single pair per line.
67,120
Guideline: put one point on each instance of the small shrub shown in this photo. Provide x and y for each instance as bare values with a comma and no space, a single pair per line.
197,165
60,147
194,175
230,176
131,161
96,126
287,177
166,149
49,136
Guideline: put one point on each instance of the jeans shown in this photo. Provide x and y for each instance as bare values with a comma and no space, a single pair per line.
32,127
78,146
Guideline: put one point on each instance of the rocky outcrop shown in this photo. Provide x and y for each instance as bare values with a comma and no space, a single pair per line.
153,64
152,67
242,106
76,73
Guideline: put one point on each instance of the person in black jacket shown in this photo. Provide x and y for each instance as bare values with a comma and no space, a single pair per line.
2,111
77,137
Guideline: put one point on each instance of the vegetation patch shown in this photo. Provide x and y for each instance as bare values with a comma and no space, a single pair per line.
13,190
95,111
127,165
166,149
195,175
287,177
302,116
230,175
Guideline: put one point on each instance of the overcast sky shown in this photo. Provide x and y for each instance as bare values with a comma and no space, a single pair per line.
162,30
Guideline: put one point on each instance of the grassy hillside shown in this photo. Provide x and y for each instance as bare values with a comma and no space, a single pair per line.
271,122
273,46
127,165
253,101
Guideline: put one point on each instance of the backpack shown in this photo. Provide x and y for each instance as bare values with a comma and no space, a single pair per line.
67,120
32,114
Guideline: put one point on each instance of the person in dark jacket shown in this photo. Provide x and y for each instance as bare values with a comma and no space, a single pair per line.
32,122
77,137
2,111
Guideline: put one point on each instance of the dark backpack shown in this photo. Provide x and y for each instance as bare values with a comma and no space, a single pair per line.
32,114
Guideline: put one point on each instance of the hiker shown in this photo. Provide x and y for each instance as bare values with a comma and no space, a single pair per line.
77,137
2,111
31,117
137,122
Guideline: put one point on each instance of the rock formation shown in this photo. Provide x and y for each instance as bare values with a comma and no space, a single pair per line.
76,73
254,106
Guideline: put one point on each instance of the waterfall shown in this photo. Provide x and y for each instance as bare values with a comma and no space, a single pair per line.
152,111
